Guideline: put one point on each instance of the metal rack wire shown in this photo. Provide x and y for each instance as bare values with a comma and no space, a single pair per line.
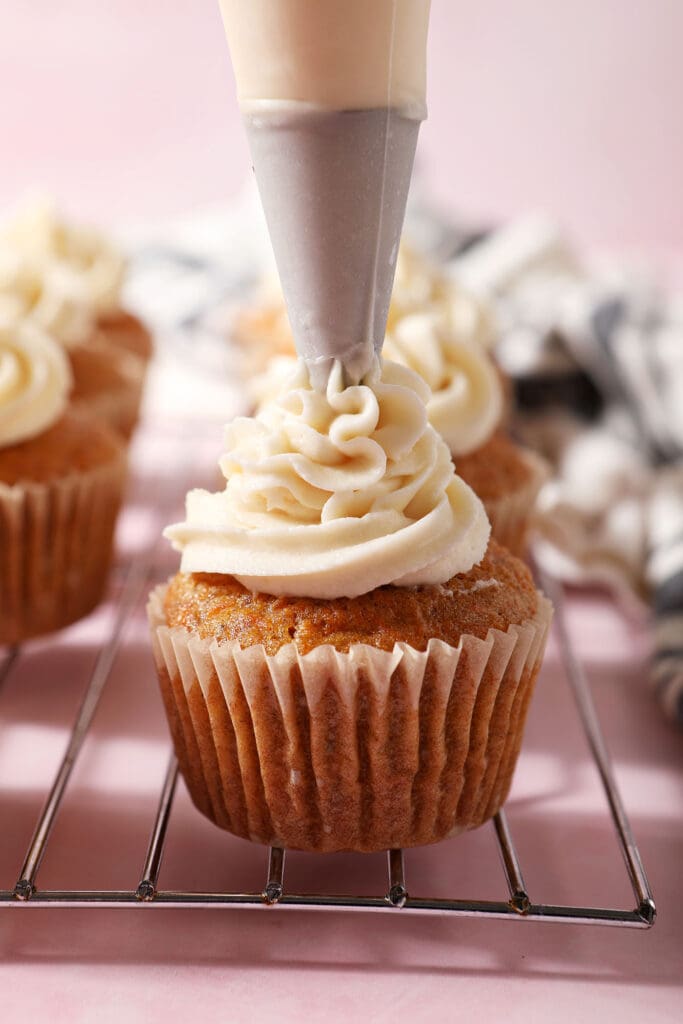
146,892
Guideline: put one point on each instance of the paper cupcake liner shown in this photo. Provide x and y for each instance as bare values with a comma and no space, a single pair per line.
512,515
366,750
55,548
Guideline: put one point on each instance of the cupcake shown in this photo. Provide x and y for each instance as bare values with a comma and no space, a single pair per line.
345,661
40,234
61,480
107,379
261,329
466,407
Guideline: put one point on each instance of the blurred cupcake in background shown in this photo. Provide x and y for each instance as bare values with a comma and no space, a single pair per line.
62,475
50,295
38,231
466,407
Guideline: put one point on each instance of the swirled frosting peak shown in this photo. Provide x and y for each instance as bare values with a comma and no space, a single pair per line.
331,494
38,231
35,380
49,295
466,403
421,285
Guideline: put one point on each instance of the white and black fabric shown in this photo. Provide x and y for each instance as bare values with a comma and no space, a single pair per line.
597,357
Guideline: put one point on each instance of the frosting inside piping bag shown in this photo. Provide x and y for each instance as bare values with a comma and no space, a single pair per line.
332,96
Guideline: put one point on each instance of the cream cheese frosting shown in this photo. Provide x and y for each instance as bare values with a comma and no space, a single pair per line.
466,401
421,285
333,494
40,233
48,295
35,380
331,54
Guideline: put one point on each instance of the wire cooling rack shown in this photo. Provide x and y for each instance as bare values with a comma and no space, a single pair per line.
137,575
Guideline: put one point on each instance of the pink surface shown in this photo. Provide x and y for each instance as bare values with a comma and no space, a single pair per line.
127,109
153,964
127,114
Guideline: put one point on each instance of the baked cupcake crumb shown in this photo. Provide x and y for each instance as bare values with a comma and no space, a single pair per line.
494,593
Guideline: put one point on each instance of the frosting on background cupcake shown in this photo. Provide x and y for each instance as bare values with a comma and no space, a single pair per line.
466,401
47,294
38,231
35,380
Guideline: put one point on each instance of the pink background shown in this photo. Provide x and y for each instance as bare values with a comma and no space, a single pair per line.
126,109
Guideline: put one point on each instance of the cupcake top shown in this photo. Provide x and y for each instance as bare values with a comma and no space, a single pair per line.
47,294
334,494
35,380
496,592
466,401
38,231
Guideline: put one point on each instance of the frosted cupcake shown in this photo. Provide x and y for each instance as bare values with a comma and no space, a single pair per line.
39,233
343,663
466,407
61,481
48,294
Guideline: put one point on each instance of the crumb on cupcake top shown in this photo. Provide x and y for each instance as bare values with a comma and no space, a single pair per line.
493,594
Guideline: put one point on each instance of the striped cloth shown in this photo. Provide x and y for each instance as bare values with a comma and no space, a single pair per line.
597,358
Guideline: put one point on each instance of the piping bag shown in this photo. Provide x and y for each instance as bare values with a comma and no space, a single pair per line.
332,93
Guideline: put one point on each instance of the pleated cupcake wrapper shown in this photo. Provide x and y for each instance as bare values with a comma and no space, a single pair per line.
512,515
364,750
55,548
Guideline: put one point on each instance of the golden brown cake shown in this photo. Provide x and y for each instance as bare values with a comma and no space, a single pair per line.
108,384
507,478
217,607
61,481
126,331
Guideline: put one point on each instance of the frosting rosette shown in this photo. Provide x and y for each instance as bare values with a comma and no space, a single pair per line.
421,285
466,402
39,232
35,380
331,494
49,295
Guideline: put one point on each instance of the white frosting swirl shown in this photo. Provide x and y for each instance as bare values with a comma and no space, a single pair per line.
49,295
466,404
35,380
39,232
334,494
420,285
